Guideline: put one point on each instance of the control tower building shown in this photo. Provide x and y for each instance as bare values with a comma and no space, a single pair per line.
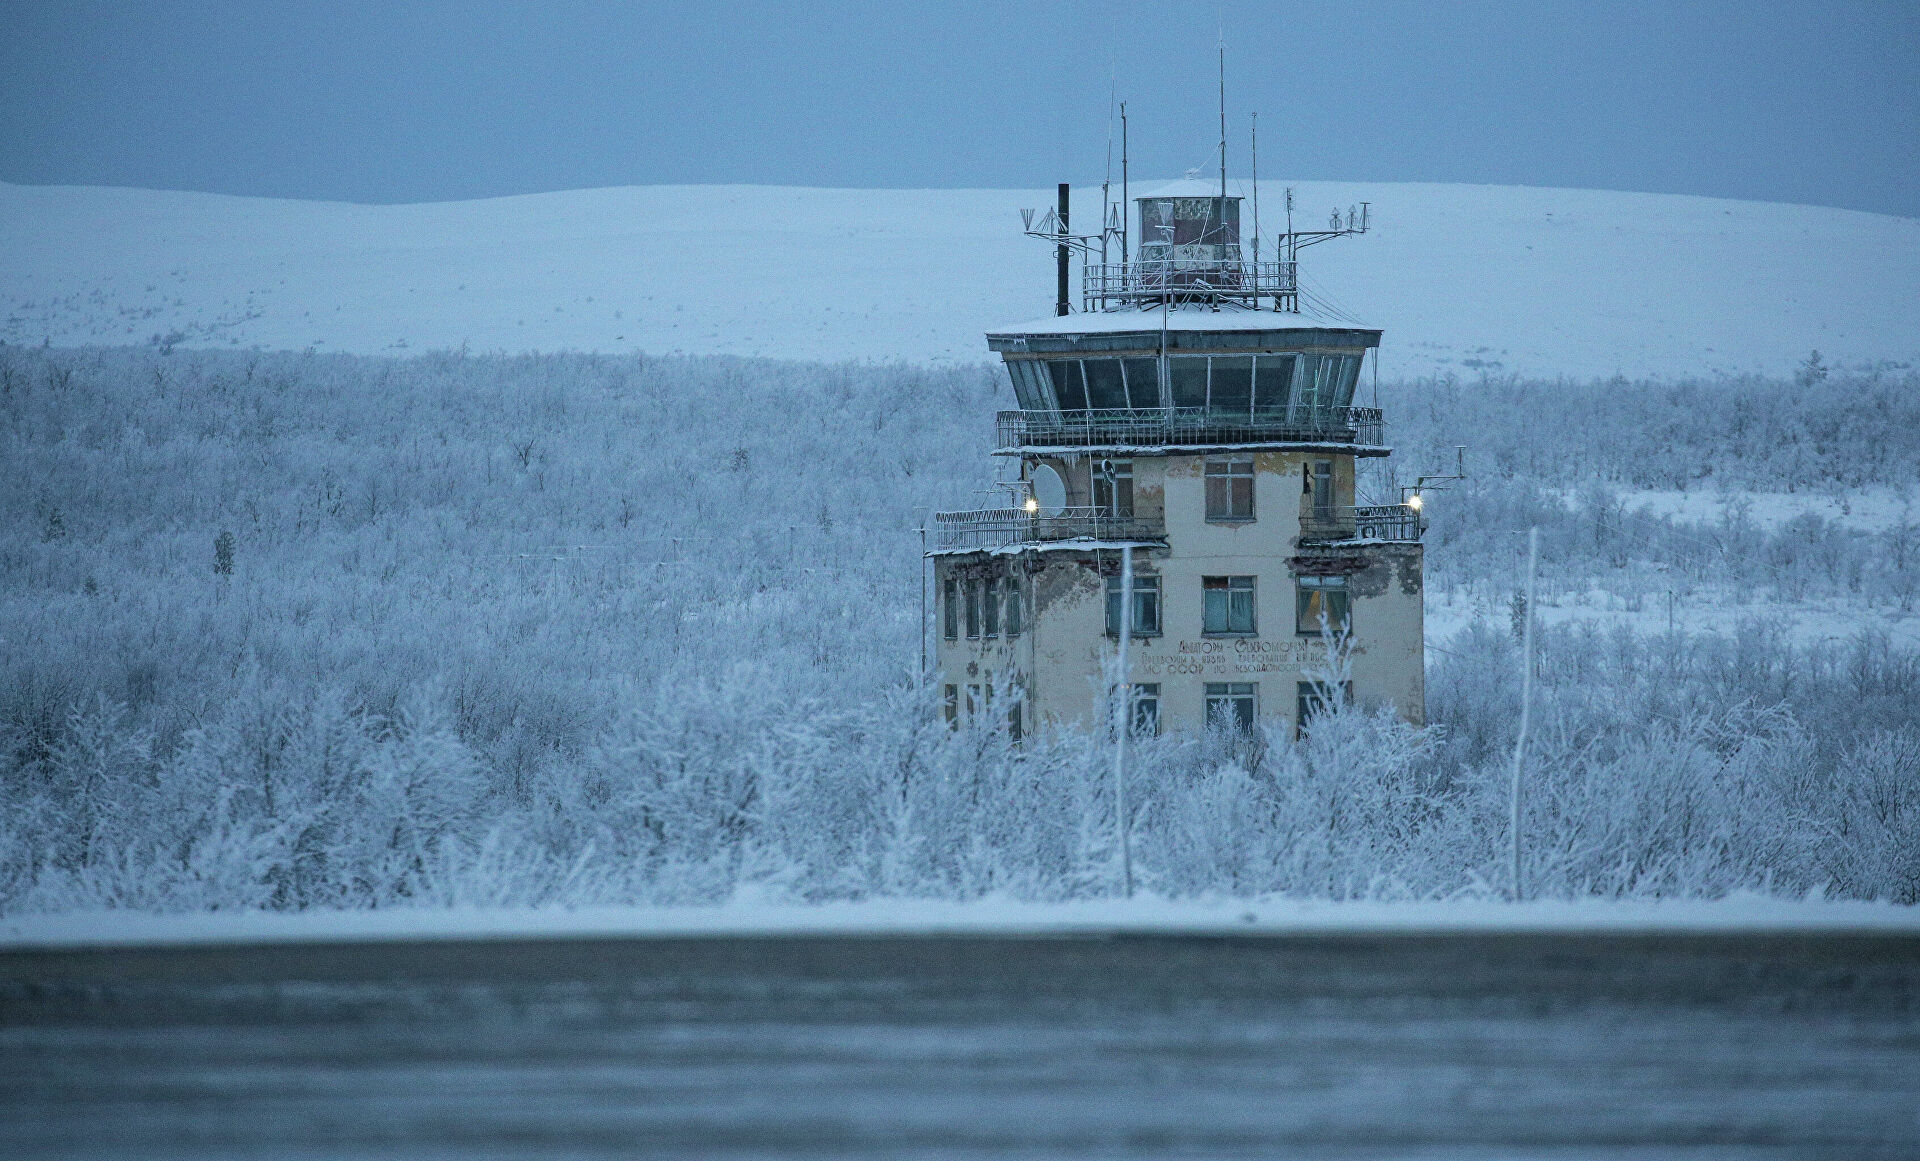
1188,432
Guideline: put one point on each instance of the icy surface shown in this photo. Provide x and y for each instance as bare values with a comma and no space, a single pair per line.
1469,278
745,917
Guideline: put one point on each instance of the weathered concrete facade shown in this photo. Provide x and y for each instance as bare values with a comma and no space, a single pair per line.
1057,660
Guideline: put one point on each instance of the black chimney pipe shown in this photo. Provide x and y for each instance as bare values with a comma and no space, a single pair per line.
1060,257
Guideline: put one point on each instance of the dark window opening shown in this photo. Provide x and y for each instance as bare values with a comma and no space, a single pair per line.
1232,705
1113,488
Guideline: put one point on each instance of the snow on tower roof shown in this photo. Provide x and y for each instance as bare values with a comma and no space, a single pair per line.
1178,318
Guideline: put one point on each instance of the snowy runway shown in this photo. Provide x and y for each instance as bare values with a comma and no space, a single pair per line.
1400,1044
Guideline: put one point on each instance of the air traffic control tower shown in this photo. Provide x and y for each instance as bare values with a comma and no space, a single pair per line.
1188,414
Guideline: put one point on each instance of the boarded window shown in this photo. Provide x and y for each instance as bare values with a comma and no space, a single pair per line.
1232,705
1230,490
1321,597
1227,605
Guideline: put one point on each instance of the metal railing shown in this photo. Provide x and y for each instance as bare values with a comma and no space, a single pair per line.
1390,522
1114,284
1003,527
1188,426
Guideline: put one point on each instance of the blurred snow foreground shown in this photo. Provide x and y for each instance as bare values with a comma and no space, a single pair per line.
325,632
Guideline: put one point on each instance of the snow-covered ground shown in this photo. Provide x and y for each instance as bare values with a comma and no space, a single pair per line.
1468,278
933,917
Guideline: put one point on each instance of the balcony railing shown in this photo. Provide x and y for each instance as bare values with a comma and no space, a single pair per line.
1004,527
1188,426
1116,284
1390,522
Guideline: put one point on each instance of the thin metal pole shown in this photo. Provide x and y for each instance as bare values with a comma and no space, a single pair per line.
1256,198
1060,255
1126,206
1223,130
924,627
1125,725
1526,707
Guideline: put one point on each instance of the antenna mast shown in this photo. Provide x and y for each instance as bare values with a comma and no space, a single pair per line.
1126,207
1223,129
1256,188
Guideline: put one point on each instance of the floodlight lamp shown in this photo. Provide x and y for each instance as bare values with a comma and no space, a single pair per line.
1416,502
1032,505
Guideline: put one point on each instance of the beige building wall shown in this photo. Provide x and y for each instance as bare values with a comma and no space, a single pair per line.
1061,655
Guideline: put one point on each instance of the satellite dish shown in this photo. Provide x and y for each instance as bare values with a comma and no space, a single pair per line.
1049,490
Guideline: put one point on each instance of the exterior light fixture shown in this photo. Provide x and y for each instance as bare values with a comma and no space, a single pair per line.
1416,502
1032,505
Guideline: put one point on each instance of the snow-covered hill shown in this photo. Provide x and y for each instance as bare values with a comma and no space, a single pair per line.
1540,281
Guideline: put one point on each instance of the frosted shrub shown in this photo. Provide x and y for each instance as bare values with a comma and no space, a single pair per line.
573,629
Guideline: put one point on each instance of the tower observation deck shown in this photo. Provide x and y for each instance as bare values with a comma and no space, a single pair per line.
1186,416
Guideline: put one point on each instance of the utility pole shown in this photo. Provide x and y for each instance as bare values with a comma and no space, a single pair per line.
1125,699
1526,706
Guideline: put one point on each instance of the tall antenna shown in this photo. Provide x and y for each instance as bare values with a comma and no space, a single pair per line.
1126,207
1106,183
1256,188
1223,128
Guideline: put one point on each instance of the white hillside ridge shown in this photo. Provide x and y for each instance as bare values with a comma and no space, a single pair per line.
1532,280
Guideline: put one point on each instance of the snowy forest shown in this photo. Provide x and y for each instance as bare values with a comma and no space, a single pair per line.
319,631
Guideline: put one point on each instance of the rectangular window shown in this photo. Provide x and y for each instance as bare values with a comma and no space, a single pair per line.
1016,721
1188,377
1323,489
1232,705
1146,605
1321,596
1230,490
974,701
1105,389
951,705
950,609
1230,385
1227,606
991,606
973,609
1146,708
1068,387
1113,489
1016,613
1272,382
1143,382
1313,698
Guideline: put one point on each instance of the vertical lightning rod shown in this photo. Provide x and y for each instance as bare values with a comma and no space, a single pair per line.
1060,256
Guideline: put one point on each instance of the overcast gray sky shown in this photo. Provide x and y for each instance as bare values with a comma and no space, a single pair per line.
397,101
